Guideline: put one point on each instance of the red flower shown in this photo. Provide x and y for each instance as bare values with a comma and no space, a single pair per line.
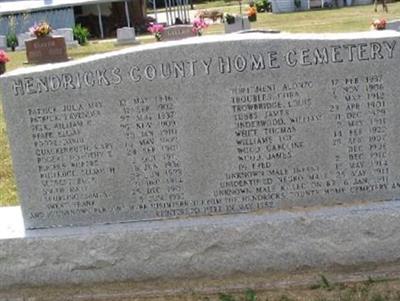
379,24
4,57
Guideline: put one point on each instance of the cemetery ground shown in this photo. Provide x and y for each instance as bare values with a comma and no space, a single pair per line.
321,289
327,20
371,290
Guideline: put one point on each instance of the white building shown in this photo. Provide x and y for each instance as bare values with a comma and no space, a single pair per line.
282,6
101,15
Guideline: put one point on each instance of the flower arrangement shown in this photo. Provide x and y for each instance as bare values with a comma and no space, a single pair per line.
3,60
3,57
228,18
42,29
252,13
198,25
379,24
156,29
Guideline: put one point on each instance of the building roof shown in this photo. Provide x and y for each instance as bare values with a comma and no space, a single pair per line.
19,6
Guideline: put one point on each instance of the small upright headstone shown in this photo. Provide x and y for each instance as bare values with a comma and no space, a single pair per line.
68,35
241,23
3,42
393,25
22,37
126,36
46,50
177,32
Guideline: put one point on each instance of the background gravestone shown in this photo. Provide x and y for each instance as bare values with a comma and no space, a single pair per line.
3,42
68,35
126,35
22,37
47,49
393,25
177,32
241,23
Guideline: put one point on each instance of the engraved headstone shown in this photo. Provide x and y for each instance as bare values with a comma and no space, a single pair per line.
177,32
49,49
126,36
206,126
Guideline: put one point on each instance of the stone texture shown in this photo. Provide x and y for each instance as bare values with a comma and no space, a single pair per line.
214,247
50,49
177,32
248,122
126,35
238,26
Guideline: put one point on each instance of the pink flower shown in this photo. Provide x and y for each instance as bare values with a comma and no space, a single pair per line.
379,24
4,57
198,25
155,28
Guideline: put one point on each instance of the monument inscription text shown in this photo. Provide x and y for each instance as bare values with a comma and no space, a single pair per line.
264,123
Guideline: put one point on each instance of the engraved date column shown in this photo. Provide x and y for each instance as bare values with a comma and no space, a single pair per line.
166,117
377,128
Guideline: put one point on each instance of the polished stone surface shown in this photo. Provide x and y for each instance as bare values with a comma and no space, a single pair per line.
207,126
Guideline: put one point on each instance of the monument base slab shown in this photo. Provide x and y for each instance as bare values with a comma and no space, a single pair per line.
261,243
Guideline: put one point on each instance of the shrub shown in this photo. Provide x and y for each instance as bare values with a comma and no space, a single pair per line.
12,40
81,34
261,5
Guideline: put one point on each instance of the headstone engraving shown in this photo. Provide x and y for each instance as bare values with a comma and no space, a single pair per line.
177,32
47,49
224,125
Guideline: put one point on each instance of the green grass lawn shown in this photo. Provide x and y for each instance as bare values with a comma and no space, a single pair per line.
328,20
346,19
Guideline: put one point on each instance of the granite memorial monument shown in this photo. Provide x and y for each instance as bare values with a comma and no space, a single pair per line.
243,153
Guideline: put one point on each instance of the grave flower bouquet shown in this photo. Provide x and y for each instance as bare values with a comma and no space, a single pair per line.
3,60
379,24
3,57
156,29
252,13
42,29
198,25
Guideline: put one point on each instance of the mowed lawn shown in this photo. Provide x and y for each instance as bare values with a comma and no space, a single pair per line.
345,19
